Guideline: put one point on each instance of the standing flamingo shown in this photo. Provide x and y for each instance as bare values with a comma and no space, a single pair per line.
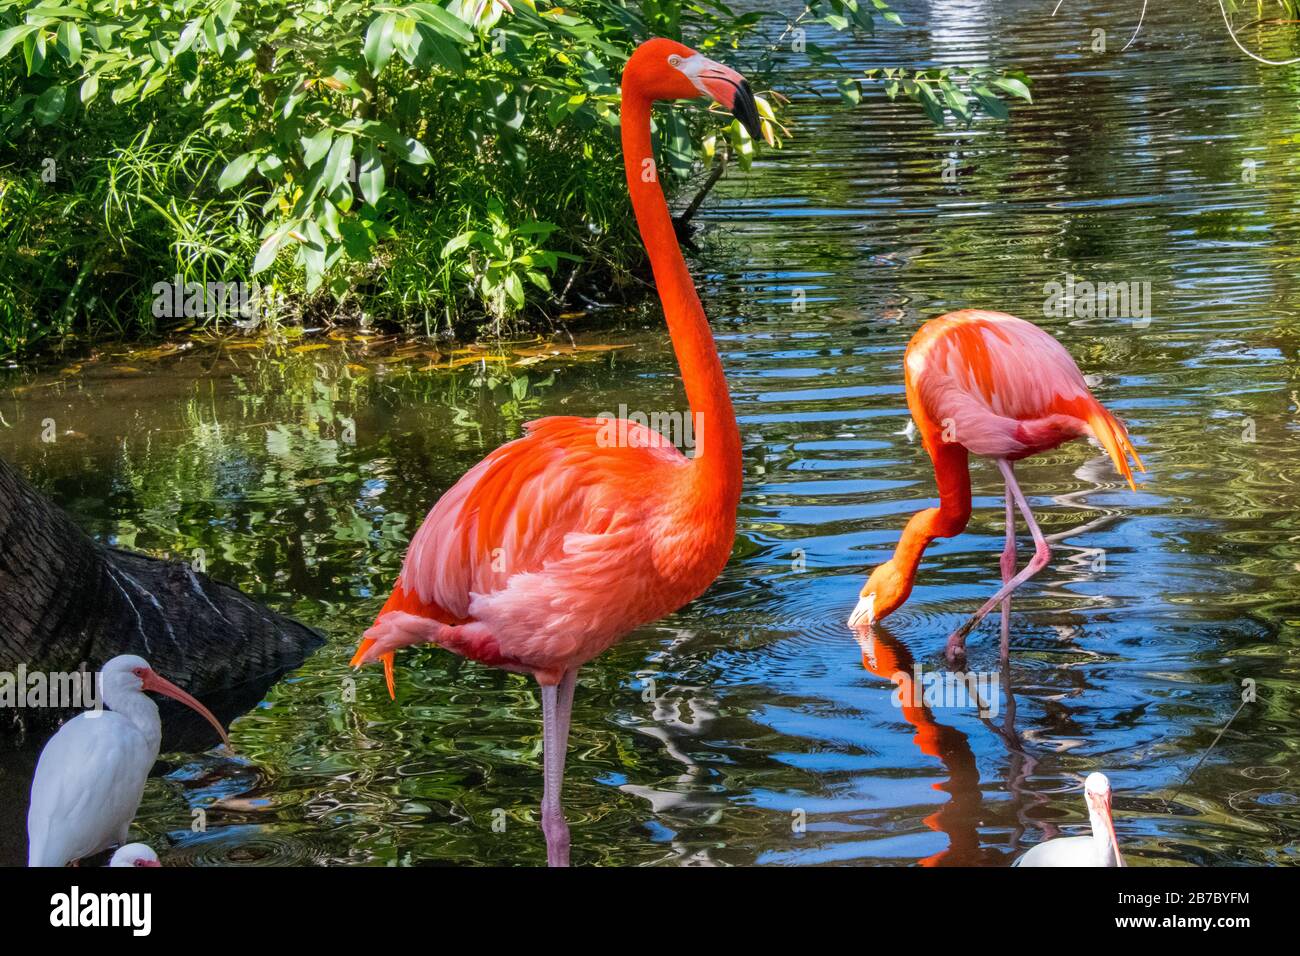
1099,849
91,775
558,544
990,384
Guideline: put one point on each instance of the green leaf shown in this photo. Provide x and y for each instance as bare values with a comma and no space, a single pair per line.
515,289
459,242
49,105
237,171
315,148
410,150
15,35
338,163
991,103
312,252
850,91
89,88
444,22
378,48
34,53
435,50
271,166
1013,86
187,37
68,41
370,175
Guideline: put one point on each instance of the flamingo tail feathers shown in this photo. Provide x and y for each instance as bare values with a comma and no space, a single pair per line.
388,664
1112,434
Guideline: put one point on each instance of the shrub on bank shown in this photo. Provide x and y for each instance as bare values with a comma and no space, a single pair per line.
418,163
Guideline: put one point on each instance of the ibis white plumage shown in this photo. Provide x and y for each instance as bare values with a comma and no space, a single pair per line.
91,775
1099,849
135,854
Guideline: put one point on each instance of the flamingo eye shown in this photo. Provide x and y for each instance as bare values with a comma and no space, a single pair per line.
138,672
138,863
674,61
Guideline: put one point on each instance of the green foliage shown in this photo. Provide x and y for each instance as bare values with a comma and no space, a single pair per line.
418,162
963,94
501,258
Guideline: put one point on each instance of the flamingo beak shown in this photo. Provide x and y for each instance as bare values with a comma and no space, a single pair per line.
1101,804
728,88
162,685
864,612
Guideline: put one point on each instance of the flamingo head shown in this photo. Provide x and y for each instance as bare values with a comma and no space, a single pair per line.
666,70
129,674
1096,790
134,854
885,590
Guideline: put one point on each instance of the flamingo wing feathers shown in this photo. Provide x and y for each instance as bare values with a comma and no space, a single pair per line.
513,512
573,496
1004,388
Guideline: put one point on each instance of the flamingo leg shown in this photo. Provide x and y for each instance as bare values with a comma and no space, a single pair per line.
557,707
1042,552
1008,570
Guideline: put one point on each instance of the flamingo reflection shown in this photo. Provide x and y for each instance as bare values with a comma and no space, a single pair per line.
886,656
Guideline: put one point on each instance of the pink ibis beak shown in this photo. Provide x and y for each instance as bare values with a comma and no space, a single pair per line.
1100,803
153,681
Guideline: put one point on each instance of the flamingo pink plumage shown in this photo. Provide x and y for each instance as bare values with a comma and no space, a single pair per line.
989,384
558,544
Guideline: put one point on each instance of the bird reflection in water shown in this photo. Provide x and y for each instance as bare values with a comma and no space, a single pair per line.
887,656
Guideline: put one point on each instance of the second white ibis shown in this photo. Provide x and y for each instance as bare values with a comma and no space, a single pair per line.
135,854
1099,849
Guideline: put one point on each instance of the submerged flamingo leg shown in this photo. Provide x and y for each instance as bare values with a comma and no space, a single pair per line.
557,706
1008,570
957,640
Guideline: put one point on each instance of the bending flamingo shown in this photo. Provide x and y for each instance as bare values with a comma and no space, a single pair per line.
990,384
558,544
1101,848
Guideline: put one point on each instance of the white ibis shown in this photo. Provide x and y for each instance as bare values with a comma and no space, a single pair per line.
1099,849
91,774
135,854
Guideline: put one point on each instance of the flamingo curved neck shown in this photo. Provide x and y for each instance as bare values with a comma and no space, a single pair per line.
717,455
952,473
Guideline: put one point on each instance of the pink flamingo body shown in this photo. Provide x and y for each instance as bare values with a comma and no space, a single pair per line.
554,546
989,384
558,544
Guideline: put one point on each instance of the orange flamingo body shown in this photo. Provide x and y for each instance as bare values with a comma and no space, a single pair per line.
558,544
989,384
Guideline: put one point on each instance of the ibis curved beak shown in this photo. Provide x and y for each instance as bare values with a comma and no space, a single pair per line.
152,681
1101,805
